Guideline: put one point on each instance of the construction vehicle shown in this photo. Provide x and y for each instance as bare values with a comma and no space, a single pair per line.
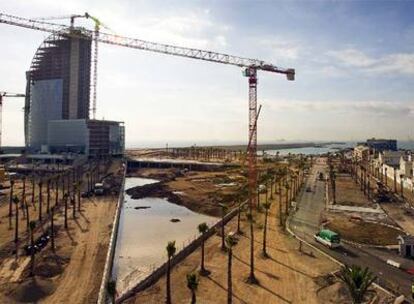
2,95
249,66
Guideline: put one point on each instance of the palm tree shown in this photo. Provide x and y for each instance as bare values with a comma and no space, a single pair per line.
52,227
203,228
192,284
252,278
65,199
280,202
32,252
73,203
239,211
23,194
48,196
16,226
40,200
11,199
57,190
357,280
27,216
287,187
267,207
402,184
170,252
230,242
223,213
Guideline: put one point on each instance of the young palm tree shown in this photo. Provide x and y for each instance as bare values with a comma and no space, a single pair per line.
23,200
230,242
52,228
33,188
73,203
32,253
192,284
16,226
48,196
357,280
239,211
251,278
11,200
57,190
223,213
280,202
287,187
65,199
267,207
171,249
27,216
40,200
203,228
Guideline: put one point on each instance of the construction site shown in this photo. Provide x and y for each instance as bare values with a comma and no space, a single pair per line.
83,220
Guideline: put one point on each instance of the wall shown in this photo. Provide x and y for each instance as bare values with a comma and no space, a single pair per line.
111,247
46,104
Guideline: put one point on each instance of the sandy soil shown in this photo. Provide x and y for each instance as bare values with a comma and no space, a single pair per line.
198,190
349,193
362,232
288,276
73,274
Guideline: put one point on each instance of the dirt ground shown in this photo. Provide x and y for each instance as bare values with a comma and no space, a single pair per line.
288,276
359,231
349,193
200,191
73,274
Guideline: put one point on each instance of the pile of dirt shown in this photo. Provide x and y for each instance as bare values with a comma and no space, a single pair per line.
51,266
154,190
154,173
33,290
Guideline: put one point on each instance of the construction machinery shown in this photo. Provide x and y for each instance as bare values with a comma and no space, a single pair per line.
250,68
2,95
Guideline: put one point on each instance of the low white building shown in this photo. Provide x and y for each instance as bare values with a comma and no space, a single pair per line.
391,158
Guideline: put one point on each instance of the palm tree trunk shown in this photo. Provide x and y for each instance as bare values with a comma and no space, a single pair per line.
48,197
251,279
168,300
32,256
203,270
66,212
280,204
238,219
193,297
11,199
16,228
265,233
23,196
40,201
229,280
27,216
52,228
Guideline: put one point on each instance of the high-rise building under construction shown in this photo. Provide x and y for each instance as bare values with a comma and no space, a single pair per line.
57,100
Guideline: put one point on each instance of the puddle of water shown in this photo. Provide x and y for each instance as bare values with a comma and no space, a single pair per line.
144,233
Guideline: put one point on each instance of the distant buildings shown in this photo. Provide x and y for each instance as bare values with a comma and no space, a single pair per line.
361,153
380,145
58,101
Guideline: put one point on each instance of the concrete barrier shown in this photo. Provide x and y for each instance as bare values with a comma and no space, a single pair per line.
181,255
393,263
112,243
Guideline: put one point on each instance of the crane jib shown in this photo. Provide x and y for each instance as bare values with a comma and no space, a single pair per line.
146,45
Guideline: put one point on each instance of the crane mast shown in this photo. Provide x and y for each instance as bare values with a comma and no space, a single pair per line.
251,66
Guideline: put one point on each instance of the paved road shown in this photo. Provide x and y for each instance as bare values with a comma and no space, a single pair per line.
305,223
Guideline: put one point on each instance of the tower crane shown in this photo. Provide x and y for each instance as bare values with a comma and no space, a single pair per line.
249,66
2,95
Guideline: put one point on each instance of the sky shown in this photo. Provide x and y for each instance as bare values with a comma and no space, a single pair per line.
354,64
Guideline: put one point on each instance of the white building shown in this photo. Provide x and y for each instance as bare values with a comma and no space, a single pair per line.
391,158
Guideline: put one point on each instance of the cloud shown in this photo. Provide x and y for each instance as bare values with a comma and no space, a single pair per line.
399,63
281,47
374,108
